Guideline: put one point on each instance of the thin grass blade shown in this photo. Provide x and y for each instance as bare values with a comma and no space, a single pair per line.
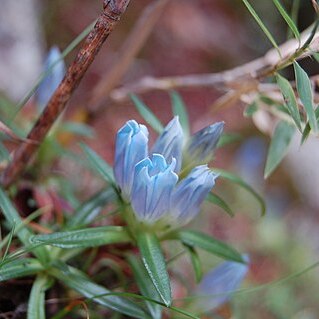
290,22
262,25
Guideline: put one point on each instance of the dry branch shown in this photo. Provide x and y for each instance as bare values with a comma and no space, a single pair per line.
230,79
112,11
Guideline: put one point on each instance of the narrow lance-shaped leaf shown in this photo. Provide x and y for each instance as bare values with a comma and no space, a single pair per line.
228,138
87,237
36,304
98,164
210,244
14,220
196,263
237,180
290,99
291,24
251,109
146,286
307,129
77,128
305,94
278,146
4,154
147,114
155,265
179,109
20,268
88,210
217,200
75,279
7,241
261,25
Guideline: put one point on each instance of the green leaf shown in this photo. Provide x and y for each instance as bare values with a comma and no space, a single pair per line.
147,114
290,99
155,265
196,263
294,14
78,281
19,268
7,240
261,25
210,244
315,55
4,154
278,146
87,211
179,109
305,94
36,304
307,129
228,138
77,128
237,180
251,109
87,237
291,24
98,164
12,217
215,199
14,220
146,286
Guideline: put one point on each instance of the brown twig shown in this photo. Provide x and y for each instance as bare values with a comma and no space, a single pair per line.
234,78
126,54
112,11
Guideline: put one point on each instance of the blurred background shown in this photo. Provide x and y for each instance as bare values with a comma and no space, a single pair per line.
191,37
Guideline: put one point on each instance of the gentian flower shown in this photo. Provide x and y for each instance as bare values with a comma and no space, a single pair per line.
216,287
170,143
154,181
201,145
150,183
131,147
191,192
52,80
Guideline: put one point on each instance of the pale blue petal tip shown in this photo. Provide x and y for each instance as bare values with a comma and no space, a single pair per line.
130,148
204,142
190,193
170,143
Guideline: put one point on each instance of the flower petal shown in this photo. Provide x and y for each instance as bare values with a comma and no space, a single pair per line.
52,80
154,181
190,193
130,148
170,143
217,285
202,144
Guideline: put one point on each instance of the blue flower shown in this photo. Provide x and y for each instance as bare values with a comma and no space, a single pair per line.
52,80
153,184
217,285
189,194
130,148
170,143
200,147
